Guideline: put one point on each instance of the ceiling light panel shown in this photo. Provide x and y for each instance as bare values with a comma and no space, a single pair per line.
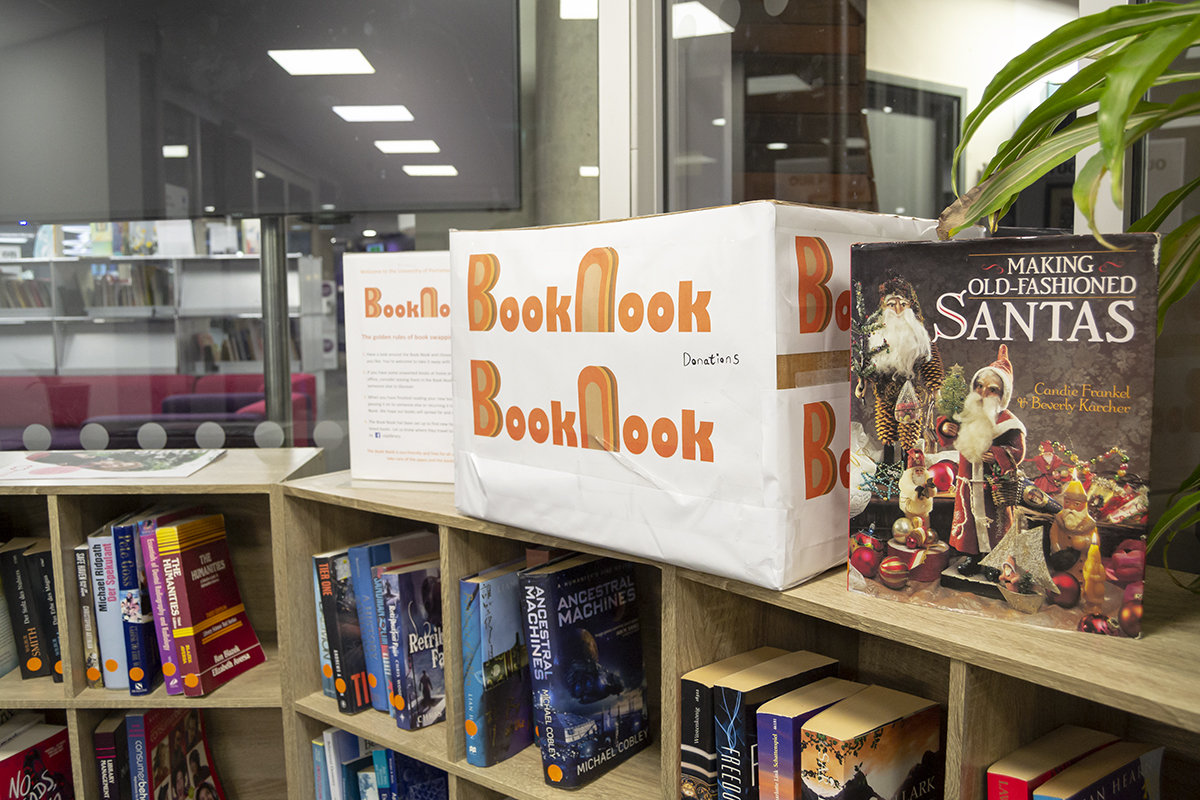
374,113
175,151
430,170
333,61
407,146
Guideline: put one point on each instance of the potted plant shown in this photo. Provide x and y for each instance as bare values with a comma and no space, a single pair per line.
1132,48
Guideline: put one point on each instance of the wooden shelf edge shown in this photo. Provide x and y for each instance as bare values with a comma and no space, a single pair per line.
260,687
428,744
33,693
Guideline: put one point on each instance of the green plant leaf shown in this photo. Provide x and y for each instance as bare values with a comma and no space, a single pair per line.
1069,43
1183,506
1086,189
1179,267
1128,79
1162,209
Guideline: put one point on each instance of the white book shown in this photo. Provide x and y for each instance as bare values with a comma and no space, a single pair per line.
109,628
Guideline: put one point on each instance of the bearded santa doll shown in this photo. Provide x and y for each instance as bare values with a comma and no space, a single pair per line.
1050,469
905,352
990,440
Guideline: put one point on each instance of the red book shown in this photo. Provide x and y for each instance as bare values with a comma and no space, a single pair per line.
37,763
214,640
1015,776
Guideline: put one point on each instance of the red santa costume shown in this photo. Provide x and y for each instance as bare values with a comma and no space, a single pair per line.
1050,469
974,506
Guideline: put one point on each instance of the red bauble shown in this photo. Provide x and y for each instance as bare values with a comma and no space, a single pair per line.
866,560
864,539
1130,619
1096,623
1068,590
1128,562
893,572
1134,591
943,475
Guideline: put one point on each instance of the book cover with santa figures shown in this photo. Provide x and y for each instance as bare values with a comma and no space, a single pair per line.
1000,454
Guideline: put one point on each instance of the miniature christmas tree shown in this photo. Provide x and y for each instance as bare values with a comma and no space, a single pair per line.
862,355
953,393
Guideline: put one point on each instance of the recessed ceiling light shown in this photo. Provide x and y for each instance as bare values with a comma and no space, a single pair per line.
695,19
407,146
258,173
589,172
578,9
209,209
776,84
175,151
719,122
777,146
333,61
887,109
369,232
374,113
328,206
430,170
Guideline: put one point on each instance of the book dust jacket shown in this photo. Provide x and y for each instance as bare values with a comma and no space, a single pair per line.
1001,412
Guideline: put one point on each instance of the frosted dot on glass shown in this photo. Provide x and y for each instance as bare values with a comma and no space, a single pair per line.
328,434
94,436
775,7
210,436
36,437
268,435
152,436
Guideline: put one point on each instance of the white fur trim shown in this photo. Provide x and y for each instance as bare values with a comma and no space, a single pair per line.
1006,425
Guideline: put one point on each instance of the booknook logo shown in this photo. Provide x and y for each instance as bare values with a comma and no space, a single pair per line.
427,306
600,424
596,307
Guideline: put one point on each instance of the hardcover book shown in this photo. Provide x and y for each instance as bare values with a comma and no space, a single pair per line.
1017,775
156,590
87,614
736,700
780,724
109,627
585,663
170,757
1121,771
496,688
111,742
340,609
413,604
40,570
35,655
876,743
363,558
698,738
213,636
1004,391
37,764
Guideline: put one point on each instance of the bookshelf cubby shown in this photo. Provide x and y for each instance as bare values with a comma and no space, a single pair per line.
1000,685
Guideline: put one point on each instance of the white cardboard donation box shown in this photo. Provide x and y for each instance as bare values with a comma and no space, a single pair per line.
674,387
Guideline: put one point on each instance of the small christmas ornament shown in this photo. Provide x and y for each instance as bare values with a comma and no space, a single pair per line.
1068,590
1097,623
914,541
1130,619
864,539
943,473
1134,591
893,573
1128,562
908,405
866,561
901,528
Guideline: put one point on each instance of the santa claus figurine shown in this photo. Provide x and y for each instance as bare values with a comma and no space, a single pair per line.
917,488
903,353
1052,470
990,441
1071,531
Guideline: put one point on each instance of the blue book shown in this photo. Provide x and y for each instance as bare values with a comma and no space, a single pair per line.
142,663
368,788
385,765
416,780
340,747
496,690
585,665
362,558
320,771
412,600
350,772
139,759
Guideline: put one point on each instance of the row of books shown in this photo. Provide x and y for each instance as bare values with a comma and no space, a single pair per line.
346,767
35,758
551,643
155,754
18,292
160,603
29,629
1073,763
781,725
116,284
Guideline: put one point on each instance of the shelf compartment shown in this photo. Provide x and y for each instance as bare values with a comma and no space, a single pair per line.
425,744
33,693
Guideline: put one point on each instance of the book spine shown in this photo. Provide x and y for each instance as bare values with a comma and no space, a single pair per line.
472,660
106,765
139,770
323,640
737,767
8,642
87,614
542,638
697,744
320,768
32,647
778,756
364,602
141,651
397,654
424,655
1006,787
384,641
41,582
180,612
167,654
341,622
108,614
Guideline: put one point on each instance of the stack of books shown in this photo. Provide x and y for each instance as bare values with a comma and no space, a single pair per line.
1073,763
346,767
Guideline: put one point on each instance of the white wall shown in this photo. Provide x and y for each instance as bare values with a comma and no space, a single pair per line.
964,43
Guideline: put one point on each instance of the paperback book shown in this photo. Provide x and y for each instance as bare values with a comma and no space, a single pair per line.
1003,389
1121,771
1017,775
110,630
40,570
111,742
327,687
496,688
156,590
340,610
37,764
36,658
137,620
413,604
585,663
170,756
87,614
